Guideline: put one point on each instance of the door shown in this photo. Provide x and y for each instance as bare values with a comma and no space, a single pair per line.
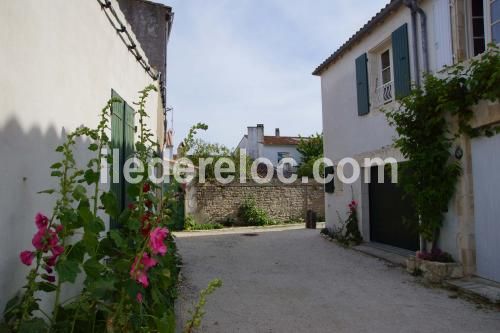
486,176
388,214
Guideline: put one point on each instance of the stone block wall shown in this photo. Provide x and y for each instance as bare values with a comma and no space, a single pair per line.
213,202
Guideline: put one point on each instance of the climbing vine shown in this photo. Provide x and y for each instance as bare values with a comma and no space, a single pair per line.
428,122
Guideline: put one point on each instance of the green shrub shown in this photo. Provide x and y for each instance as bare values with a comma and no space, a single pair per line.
251,215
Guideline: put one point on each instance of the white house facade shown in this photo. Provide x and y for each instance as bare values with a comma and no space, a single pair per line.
272,147
60,64
381,62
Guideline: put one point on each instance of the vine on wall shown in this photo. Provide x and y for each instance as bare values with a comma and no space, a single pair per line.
425,124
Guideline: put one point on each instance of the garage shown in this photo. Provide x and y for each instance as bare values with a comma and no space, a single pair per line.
388,209
486,175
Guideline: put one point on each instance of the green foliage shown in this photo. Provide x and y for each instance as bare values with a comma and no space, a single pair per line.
191,225
199,312
426,134
346,232
311,149
252,215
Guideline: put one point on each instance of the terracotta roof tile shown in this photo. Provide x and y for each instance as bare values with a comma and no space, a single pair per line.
281,140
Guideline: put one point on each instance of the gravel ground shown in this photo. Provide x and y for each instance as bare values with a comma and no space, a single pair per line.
295,281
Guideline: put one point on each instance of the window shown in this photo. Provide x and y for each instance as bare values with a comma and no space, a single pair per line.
495,20
386,76
282,155
478,43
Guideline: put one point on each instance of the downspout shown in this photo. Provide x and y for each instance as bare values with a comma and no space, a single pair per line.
415,9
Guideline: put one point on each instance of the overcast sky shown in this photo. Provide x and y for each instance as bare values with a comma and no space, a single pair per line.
236,63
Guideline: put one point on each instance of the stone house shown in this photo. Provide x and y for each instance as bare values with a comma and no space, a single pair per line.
381,61
60,64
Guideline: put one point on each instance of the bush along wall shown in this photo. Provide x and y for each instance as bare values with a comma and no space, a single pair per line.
428,123
129,273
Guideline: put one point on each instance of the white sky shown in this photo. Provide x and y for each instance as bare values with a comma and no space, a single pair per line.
236,63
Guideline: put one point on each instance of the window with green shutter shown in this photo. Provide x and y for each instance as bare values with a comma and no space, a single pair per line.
122,139
401,60
362,85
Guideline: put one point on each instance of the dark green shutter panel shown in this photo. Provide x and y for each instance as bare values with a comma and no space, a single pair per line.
330,186
128,147
117,142
401,60
362,85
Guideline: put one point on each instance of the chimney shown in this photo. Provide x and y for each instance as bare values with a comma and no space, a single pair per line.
277,132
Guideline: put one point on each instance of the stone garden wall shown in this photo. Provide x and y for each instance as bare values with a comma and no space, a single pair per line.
214,202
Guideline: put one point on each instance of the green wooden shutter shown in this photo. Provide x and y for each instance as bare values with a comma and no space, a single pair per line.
117,142
362,85
129,135
401,60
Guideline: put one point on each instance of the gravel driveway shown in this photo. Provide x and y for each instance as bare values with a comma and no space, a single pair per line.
295,281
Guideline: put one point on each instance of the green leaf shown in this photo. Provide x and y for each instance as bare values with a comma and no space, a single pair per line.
93,147
80,193
133,190
35,325
59,149
110,204
51,191
117,238
93,268
56,173
85,214
67,270
91,177
57,165
76,252
46,286
90,241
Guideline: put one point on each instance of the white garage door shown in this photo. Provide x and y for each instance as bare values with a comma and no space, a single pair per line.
486,172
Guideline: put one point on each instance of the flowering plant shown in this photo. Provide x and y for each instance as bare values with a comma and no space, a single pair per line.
130,271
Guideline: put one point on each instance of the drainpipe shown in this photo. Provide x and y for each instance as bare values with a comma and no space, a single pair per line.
415,9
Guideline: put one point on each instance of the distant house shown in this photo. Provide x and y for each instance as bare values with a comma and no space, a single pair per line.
274,148
382,61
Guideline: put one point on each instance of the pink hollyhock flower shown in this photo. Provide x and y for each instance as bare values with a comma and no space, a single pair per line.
142,278
139,297
51,261
148,262
39,239
157,241
41,221
57,250
59,228
146,187
27,257
47,269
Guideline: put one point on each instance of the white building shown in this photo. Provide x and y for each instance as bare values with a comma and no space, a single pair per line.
274,148
60,64
380,62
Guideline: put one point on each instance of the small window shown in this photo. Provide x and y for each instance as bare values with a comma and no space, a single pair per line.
477,27
282,155
386,77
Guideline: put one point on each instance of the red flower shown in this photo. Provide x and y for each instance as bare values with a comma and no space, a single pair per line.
50,261
138,271
47,269
146,187
139,297
59,228
131,206
49,278
57,250
157,241
148,203
41,221
27,257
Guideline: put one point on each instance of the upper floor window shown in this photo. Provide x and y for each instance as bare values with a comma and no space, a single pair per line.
495,20
478,42
386,76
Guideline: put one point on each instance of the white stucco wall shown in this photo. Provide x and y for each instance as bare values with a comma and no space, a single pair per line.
348,135
271,152
59,64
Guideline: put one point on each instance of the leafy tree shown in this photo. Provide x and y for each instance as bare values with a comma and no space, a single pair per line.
311,149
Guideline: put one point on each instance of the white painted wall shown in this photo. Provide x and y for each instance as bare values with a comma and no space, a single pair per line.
271,153
59,64
348,135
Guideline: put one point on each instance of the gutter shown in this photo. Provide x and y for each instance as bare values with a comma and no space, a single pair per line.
415,9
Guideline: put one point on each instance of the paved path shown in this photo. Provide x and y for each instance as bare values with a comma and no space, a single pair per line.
295,281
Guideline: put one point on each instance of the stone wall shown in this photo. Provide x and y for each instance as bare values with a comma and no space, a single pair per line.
213,202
